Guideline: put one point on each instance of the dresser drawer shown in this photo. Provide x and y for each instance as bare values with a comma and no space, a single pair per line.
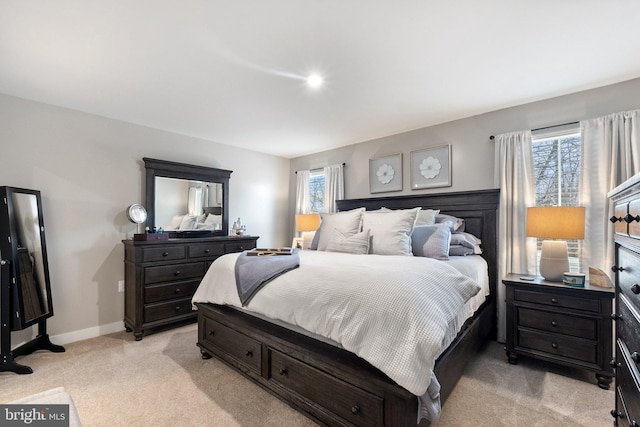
628,325
634,226
558,323
629,278
627,381
561,345
163,253
162,292
619,212
353,404
171,272
242,348
166,310
205,250
239,246
555,300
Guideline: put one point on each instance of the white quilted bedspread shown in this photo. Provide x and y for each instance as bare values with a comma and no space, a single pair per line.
392,311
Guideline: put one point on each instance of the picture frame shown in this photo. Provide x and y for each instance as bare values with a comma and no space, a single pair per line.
431,167
385,174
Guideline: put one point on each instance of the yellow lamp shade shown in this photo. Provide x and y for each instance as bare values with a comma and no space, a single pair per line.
307,222
556,222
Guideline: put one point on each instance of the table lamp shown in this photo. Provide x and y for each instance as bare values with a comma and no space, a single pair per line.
306,225
555,222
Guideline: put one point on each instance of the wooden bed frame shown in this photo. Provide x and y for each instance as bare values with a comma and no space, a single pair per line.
329,384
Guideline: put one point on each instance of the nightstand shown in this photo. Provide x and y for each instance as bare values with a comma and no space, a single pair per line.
561,324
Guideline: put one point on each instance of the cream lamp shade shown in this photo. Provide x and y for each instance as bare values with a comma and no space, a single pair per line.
555,222
306,225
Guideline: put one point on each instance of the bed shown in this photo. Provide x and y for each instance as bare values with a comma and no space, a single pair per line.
329,383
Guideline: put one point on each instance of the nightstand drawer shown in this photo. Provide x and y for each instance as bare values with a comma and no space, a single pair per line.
558,323
167,273
561,345
556,300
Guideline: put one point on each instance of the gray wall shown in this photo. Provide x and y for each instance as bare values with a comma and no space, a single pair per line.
472,150
89,169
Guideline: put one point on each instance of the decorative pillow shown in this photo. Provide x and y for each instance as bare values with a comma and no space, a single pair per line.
465,239
459,250
431,241
347,222
175,222
426,217
188,223
390,230
456,224
353,244
213,219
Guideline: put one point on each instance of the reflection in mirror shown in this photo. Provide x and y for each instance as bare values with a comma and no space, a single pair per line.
188,204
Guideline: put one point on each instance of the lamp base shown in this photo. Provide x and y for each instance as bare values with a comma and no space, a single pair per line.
554,260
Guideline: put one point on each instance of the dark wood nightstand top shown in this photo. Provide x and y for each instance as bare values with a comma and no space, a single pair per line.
541,283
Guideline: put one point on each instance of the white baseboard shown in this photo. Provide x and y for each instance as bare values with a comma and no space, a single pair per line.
84,334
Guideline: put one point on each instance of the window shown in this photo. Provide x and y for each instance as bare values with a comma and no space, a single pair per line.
556,167
316,191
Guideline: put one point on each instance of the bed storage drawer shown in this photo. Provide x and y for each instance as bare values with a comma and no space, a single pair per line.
245,350
354,405
173,272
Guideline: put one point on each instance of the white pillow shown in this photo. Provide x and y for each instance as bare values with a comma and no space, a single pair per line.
426,217
354,244
213,219
347,222
465,239
431,241
188,223
390,231
175,222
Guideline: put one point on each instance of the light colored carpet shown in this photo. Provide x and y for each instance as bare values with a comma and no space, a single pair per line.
162,381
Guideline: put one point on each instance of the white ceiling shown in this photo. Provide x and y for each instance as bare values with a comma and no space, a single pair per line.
232,71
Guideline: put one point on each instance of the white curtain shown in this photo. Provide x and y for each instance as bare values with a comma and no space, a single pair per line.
610,155
302,192
333,186
515,179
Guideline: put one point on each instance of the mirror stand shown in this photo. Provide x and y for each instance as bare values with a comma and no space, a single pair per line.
40,342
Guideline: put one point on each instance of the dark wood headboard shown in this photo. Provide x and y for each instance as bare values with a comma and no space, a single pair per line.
478,208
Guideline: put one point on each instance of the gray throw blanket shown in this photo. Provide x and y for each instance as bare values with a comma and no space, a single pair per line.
253,272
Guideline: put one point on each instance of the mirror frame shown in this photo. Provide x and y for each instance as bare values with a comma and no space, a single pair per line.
9,248
163,168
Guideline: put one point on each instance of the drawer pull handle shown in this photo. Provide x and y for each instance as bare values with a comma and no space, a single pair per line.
615,219
249,353
355,409
615,268
554,323
206,251
635,356
635,289
616,316
241,248
212,333
554,345
628,218
283,371
554,301
177,273
177,290
165,253
177,308
614,364
616,414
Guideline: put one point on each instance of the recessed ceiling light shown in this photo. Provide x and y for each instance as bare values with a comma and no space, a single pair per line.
315,80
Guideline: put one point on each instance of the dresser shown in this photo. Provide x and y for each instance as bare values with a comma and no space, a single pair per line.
626,219
561,324
162,275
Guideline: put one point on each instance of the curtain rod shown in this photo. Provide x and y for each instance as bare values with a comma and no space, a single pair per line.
317,169
546,127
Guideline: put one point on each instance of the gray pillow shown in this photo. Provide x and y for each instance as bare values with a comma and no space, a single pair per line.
459,250
431,241
351,244
456,224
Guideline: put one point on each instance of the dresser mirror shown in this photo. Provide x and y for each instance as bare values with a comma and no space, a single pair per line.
186,200
23,244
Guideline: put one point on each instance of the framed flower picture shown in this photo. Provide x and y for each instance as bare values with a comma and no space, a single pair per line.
431,167
385,174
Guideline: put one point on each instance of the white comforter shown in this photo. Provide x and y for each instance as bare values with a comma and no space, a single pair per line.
392,311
